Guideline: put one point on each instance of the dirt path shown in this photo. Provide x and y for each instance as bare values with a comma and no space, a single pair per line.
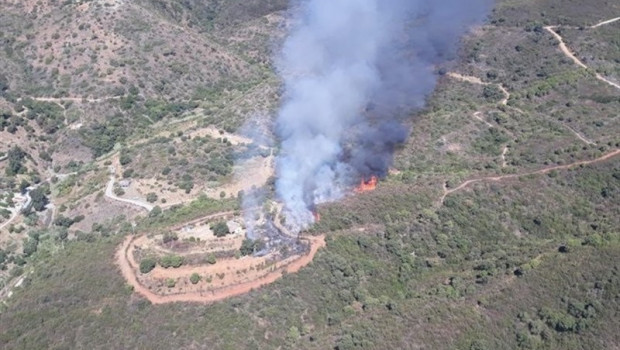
72,99
478,81
537,172
128,267
571,55
222,214
109,192
605,22
477,115
579,136
563,47
213,132
504,151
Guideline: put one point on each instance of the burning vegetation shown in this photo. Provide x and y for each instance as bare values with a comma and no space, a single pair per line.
367,185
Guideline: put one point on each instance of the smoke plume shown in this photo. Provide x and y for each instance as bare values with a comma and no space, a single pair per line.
353,70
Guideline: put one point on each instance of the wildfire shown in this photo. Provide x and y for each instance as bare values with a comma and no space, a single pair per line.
367,185
317,216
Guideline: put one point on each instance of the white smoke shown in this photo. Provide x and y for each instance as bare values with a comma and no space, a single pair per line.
340,57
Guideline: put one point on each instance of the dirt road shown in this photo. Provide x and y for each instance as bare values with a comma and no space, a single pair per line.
478,81
109,192
605,22
579,136
571,55
129,268
72,99
537,172
564,48
477,115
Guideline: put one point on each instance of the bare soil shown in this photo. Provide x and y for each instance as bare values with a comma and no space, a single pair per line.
238,276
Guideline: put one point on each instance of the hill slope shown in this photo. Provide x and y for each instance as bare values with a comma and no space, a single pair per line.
497,228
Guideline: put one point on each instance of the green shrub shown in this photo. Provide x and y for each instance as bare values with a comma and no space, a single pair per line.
63,221
194,278
211,259
174,261
155,212
39,199
247,247
169,237
30,246
151,197
147,264
170,283
220,229
594,240
125,159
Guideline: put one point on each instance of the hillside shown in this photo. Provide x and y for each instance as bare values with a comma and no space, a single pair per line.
131,129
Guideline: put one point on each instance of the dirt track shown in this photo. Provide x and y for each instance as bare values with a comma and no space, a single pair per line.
477,115
504,151
476,80
73,99
605,22
571,55
537,172
109,192
129,268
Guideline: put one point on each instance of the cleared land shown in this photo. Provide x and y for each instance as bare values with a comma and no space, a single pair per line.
261,273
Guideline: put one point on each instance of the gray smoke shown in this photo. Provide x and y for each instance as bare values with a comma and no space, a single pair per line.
257,129
352,71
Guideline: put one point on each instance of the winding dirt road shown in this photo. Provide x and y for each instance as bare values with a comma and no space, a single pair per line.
537,172
129,268
477,115
109,192
478,81
571,55
563,47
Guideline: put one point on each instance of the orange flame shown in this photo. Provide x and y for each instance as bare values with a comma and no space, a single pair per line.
367,185
317,216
